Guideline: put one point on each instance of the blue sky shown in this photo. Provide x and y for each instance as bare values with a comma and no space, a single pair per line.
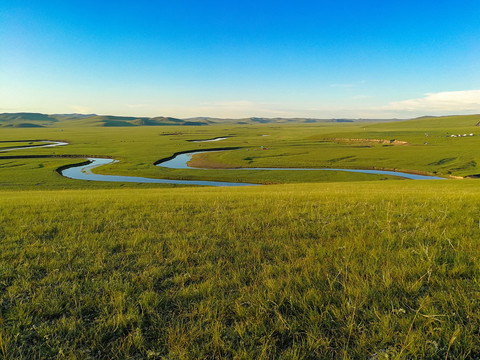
241,58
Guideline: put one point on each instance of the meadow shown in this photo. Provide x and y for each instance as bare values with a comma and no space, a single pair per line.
336,265
413,146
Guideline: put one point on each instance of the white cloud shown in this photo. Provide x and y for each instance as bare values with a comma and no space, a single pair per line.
439,103
239,108
81,109
137,106
355,106
230,104
361,97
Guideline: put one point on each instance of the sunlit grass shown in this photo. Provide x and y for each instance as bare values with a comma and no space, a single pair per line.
350,270
332,270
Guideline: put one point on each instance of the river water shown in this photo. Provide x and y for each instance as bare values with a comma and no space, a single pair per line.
84,172
180,161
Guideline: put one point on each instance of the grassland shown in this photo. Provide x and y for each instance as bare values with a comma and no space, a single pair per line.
322,271
312,269
427,150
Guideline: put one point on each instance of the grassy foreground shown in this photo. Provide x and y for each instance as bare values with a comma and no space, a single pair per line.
353,270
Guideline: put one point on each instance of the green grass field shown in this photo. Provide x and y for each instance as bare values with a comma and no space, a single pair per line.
304,145
335,265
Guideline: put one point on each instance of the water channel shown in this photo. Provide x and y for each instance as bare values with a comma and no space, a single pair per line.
48,144
209,140
84,172
180,161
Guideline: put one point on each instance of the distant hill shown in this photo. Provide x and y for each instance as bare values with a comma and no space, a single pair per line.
280,120
37,119
74,115
57,120
110,120
425,117
14,117
22,125
25,119
438,122
262,120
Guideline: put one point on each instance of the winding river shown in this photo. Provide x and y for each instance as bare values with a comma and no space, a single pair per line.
84,172
209,140
48,144
180,161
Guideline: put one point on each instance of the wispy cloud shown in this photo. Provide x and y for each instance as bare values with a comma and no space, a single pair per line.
81,109
137,106
355,106
439,103
240,108
361,97
229,104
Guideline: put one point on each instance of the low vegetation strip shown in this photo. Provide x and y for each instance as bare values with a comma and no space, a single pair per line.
351,270
366,141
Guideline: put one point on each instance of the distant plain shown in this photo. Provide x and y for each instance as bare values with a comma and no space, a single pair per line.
312,265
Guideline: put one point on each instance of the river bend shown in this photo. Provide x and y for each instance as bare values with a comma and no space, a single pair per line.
180,161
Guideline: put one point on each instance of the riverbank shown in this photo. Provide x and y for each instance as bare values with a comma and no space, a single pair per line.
180,160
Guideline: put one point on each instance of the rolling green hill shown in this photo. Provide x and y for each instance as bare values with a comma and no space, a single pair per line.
438,122
14,117
67,120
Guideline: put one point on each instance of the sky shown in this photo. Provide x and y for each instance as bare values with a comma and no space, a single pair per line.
241,58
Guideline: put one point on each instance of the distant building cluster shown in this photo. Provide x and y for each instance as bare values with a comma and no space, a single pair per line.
459,135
